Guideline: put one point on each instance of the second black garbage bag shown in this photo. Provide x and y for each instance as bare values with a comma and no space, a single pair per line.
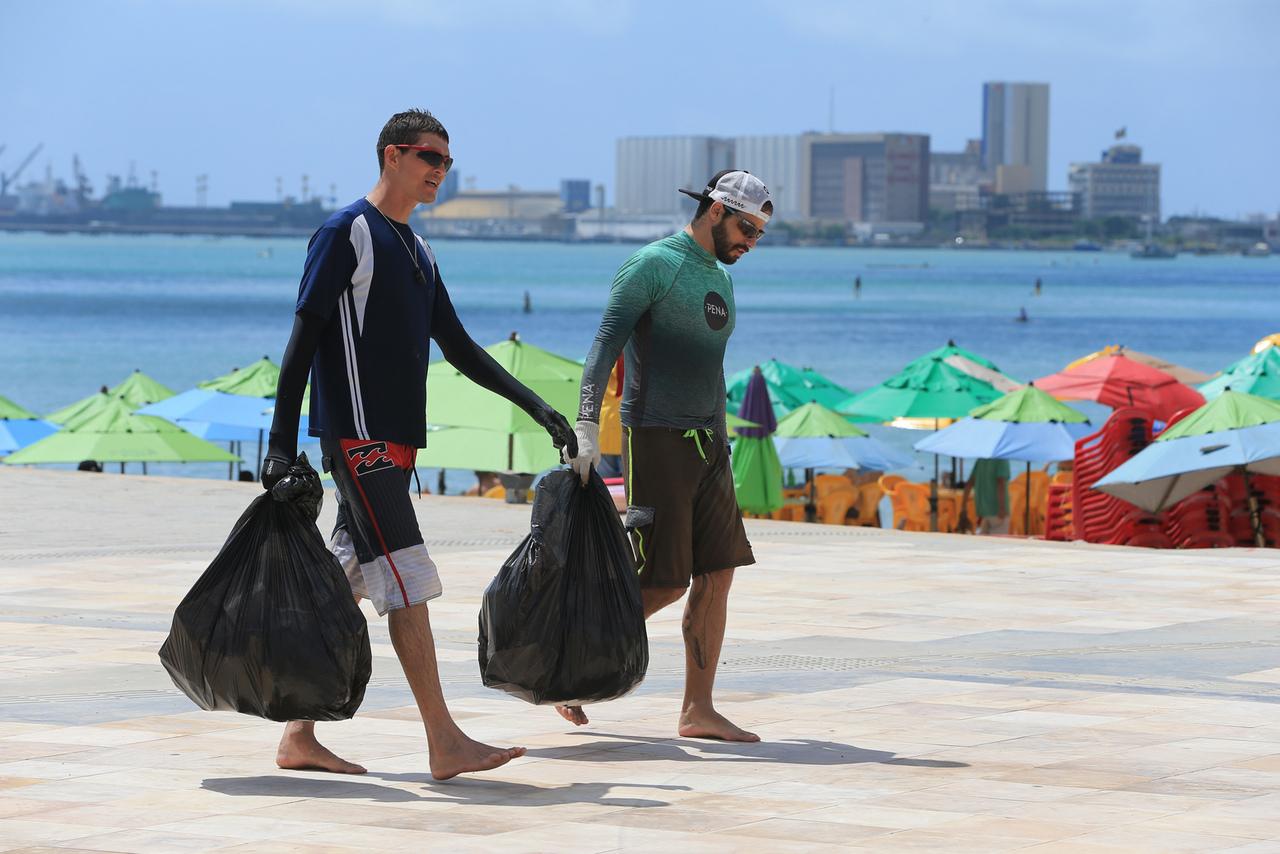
271,628
563,622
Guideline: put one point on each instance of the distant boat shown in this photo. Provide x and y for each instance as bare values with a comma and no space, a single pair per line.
1257,250
1086,246
1153,250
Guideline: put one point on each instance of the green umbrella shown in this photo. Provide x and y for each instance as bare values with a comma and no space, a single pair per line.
256,380
83,406
971,363
9,409
111,433
1257,374
138,389
488,432
789,387
814,419
1029,405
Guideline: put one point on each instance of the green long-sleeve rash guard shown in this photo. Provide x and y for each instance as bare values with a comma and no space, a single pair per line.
672,308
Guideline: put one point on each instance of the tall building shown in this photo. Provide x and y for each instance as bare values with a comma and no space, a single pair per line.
779,162
957,179
1015,135
1120,185
866,178
650,170
575,194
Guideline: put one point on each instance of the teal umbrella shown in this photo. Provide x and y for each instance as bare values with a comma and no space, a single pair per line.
1256,374
789,387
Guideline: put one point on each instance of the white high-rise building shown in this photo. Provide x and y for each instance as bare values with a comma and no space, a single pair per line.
779,162
651,170
1015,135
1120,185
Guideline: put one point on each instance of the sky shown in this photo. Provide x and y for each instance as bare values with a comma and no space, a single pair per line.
249,91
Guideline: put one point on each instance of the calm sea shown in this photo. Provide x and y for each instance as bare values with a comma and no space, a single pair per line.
77,312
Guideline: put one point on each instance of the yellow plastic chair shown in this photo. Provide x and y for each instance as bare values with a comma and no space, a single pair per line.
495,492
868,506
835,495
910,506
889,481
1018,505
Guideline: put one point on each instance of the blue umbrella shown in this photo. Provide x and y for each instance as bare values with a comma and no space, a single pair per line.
838,452
17,433
218,416
978,438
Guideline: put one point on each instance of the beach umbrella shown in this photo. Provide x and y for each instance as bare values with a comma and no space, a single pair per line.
1272,340
114,434
971,363
733,424
814,437
1026,425
926,393
1190,376
93,403
1258,373
757,474
9,409
1235,432
486,431
1118,381
220,417
20,427
138,389
258,379
789,387
17,433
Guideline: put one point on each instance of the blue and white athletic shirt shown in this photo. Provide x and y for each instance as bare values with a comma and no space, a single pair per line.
369,376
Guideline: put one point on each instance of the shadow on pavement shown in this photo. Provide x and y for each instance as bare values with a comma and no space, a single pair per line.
460,790
801,751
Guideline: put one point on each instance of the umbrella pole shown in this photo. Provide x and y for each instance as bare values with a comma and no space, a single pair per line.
259,468
933,497
231,466
811,506
144,468
1255,516
440,483
1026,494
121,468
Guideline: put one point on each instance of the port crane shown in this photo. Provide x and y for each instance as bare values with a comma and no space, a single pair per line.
6,180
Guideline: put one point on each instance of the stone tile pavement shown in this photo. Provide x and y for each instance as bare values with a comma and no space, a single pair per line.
914,693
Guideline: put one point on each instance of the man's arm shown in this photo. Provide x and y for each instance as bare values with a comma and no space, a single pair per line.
461,351
630,297
282,448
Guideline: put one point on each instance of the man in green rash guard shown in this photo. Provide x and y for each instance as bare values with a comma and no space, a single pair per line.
672,309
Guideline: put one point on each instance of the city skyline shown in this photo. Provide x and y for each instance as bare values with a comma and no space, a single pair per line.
531,97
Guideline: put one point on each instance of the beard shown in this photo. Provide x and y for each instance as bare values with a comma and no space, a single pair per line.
723,242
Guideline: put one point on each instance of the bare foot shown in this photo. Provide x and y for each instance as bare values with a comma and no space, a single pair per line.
698,723
299,751
466,754
573,714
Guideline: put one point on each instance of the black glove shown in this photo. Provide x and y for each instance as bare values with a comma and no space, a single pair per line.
277,461
553,422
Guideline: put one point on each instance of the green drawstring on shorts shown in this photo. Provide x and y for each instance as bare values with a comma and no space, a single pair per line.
697,440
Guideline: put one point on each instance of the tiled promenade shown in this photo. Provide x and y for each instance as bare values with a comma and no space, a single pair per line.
914,693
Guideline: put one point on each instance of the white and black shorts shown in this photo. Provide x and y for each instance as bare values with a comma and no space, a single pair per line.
376,537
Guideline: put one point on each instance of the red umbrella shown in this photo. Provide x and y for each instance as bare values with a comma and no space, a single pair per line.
1117,381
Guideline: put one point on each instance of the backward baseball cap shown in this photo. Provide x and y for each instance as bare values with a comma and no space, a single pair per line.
738,190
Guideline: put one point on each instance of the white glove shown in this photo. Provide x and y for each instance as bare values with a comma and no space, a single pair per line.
588,433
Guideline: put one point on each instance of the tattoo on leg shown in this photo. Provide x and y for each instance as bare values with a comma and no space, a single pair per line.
700,598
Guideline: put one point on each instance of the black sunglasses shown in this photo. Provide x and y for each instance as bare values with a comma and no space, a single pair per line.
433,157
748,228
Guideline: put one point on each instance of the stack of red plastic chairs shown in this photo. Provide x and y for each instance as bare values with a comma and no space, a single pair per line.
1057,522
1266,490
1200,521
1101,518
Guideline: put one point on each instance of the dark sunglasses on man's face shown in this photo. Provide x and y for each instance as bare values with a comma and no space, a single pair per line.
748,228
433,157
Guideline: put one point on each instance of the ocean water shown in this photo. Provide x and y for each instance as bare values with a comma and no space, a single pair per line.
78,311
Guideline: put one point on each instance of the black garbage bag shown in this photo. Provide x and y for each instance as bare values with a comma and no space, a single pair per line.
271,628
562,622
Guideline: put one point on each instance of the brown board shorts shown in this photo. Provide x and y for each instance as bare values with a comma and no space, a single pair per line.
681,507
